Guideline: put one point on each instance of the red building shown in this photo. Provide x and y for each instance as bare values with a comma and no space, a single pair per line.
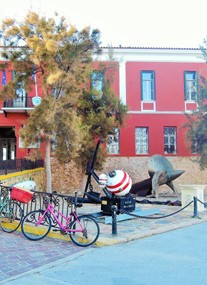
159,85
13,113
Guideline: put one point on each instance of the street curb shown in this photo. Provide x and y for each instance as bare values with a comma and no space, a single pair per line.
110,239
113,240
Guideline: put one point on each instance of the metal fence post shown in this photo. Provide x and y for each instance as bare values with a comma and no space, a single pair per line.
195,207
114,219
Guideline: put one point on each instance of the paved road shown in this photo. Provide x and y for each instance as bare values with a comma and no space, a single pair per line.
171,258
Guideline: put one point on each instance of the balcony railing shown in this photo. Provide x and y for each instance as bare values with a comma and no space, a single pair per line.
20,102
14,165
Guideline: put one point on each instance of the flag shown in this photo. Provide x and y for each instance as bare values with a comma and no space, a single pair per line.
4,77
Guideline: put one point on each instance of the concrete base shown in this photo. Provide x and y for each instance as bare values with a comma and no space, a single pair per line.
190,191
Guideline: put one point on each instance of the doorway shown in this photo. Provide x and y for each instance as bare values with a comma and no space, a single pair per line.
7,143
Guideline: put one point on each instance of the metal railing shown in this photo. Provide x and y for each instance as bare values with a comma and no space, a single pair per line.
14,165
21,102
40,201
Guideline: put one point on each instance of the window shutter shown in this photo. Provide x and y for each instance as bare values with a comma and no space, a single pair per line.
197,85
141,75
154,82
185,91
13,75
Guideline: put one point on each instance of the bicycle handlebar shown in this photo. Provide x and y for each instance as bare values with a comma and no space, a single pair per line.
74,201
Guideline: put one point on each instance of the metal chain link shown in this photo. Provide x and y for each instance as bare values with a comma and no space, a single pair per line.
201,202
154,218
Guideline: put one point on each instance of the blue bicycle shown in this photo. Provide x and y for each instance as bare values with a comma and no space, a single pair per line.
11,213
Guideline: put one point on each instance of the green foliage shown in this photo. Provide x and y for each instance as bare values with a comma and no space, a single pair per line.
197,122
101,114
70,115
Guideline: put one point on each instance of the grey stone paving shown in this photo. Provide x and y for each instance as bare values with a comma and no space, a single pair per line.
19,255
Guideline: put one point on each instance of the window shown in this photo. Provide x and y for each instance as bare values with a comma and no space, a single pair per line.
20,91
170,140
113,142
57,92
34,145
141,140
191,87
194,145
20,100
97,80
3,80
148,85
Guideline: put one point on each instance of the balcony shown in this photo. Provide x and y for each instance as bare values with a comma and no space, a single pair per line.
18,105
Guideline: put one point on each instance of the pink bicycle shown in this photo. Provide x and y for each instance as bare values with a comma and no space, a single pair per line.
83,230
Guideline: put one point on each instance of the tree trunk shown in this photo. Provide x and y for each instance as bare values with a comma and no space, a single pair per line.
48,168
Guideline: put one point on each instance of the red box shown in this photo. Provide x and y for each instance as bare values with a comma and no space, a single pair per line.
22,195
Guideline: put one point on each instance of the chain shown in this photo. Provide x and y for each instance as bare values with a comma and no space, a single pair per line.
201,202
154,218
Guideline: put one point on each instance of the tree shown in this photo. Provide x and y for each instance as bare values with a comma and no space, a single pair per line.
197,121
70,114
102,113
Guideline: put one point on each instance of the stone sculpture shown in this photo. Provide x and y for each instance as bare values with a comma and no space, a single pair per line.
161,172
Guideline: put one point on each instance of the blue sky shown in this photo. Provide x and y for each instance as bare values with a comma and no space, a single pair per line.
137,23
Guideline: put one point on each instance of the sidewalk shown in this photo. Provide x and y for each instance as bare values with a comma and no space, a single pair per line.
151,219
154,220
19,255
172,258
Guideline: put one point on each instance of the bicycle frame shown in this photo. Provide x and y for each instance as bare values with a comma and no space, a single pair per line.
2,204
11,212
51,209
83,230
4,200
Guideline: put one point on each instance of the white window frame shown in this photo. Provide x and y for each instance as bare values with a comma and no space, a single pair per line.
113,142
97,82
191,86
170,140
148,86
141,140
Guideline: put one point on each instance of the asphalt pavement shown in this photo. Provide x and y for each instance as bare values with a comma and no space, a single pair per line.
159,244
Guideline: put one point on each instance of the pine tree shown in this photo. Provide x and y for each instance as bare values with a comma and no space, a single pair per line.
70,114
197,120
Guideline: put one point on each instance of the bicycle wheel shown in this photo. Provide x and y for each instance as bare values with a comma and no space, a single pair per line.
33,230
85,231
10,216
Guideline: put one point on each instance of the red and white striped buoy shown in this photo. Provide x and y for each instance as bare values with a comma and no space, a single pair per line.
118,182
102,180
